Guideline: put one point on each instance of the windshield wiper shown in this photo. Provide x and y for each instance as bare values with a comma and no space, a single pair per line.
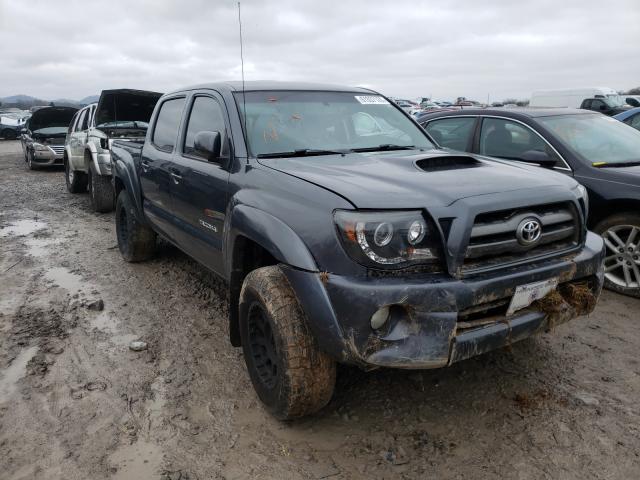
303,152
616,164
383,147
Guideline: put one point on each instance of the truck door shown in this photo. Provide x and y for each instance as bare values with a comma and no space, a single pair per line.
199,185
75,142
154,165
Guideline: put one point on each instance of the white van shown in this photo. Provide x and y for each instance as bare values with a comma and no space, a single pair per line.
572,97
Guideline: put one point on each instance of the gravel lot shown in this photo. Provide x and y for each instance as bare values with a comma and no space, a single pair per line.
76,403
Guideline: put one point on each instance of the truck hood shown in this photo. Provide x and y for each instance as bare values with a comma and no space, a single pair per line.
412,179
125,109
51,117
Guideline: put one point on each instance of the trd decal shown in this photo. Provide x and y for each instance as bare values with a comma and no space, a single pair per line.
208,225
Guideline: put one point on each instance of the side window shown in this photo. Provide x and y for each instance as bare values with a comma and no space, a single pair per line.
586,104
92,110
634,121
453,133
506,139
72,125
598,105
83,114
166,128
206,116
85,119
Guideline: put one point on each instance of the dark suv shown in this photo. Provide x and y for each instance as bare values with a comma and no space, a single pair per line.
601,153
345,235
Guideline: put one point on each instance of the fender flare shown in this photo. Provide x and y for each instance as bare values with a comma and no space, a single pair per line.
125,173
93,154
271,233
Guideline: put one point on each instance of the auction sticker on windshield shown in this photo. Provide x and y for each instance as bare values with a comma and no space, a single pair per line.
371,100
525,295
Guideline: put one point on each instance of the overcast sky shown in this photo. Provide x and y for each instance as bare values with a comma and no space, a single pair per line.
444,48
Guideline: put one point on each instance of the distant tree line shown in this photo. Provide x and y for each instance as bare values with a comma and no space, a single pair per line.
633,91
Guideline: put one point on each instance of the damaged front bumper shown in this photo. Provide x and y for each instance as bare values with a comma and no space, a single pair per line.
437,320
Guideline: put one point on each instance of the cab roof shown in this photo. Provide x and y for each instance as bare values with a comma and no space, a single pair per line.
519,112
272,85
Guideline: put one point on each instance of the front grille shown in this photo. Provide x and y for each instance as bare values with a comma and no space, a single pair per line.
494,239
59,149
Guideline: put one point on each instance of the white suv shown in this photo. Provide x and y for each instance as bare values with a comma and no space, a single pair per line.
121,114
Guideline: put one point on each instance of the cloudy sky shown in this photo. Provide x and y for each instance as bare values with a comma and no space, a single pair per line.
445,48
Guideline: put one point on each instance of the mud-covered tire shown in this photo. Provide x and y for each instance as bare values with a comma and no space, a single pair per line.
290,374
621,223
76,181
100,191
136,241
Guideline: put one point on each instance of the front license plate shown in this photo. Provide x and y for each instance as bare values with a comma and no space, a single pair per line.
525,295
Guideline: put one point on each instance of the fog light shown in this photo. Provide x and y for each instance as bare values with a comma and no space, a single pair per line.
379,318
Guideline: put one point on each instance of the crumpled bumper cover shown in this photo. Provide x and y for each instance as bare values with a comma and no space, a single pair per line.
339,310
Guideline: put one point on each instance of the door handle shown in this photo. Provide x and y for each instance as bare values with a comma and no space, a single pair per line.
145,166
176,178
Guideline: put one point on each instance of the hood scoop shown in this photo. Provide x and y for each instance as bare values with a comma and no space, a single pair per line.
448,162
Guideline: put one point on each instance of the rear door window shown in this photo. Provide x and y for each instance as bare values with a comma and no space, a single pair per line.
83,115
85,119
166,127
454,133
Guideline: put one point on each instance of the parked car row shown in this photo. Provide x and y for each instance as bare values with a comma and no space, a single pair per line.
345,234
81,139
601,153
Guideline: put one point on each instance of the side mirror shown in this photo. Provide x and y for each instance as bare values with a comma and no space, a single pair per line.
208,145
541,158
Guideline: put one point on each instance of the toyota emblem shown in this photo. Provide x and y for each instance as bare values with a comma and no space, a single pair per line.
529,232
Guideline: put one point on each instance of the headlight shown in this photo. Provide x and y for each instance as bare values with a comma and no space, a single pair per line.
388,239
40,148
584,195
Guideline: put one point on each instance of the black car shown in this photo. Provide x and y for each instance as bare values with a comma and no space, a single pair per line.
346,236
601,153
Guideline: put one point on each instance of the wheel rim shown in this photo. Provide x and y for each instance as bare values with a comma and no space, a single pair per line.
70,174
622,261
262,346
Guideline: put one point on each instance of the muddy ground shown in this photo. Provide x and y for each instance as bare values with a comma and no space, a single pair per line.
76,403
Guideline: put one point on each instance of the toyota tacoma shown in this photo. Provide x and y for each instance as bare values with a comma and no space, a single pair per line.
346,235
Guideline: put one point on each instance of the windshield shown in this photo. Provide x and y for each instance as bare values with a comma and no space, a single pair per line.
290,121
596,138
614,101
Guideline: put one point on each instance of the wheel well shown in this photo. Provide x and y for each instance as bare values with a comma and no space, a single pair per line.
87,159
609,208
118,186
247,256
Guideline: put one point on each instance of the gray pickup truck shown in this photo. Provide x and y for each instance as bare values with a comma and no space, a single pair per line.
346,235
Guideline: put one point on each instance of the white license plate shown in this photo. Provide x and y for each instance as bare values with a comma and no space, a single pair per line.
525,295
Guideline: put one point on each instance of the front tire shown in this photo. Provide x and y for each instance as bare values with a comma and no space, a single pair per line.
31,164
289,372
621,233
76,181
136,241
101,191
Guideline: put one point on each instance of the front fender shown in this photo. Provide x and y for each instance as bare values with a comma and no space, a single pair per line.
271,233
